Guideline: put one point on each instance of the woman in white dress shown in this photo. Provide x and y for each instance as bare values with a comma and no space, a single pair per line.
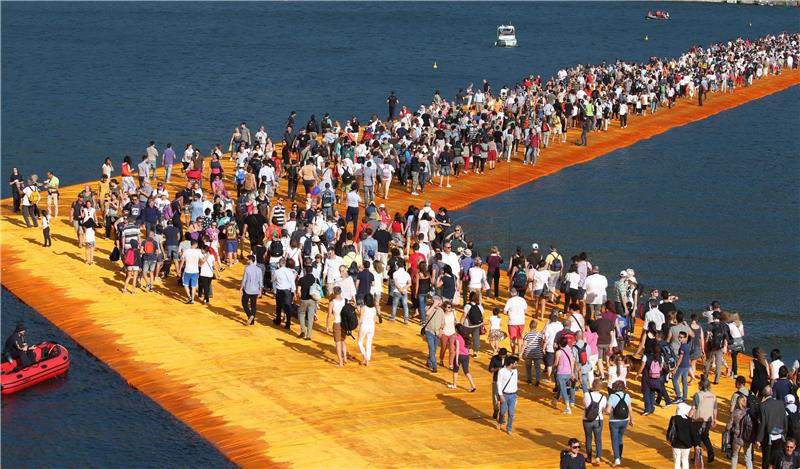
366,327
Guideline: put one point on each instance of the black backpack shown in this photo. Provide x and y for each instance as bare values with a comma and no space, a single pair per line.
794,425
669,356
592,410
307,247
474,315
349,319
621,410
353,269
276,248
717,335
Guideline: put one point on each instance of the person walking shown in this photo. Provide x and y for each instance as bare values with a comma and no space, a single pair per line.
682,436
250,288
433,330
284,281
736,428
335,306
533,353
366,327
565,373
594,403
392,101
772,426
620,418
516,307
461,359
704,415
507,383
308,287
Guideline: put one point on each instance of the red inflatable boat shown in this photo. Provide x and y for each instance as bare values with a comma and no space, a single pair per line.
52,360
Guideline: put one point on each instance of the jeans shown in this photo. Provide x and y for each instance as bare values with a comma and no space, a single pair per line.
715,358
476,340
414,180
531,363
682,375
421,303
352,215
649,394
369,194
433,342
397,297
494,281
249,304
584,142
703,430
291,189
681,458
734,364
617,428
567,391
593,429
587,378
308,308
509,405
283,302
748,456
29,211
167,172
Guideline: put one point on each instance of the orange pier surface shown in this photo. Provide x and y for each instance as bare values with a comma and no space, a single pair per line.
265,398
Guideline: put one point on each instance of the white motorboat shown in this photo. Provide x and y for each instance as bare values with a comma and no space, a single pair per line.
506,36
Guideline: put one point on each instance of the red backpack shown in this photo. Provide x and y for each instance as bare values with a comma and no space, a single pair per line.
149,246
130,257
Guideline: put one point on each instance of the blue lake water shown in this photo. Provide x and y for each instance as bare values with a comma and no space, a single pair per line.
708,211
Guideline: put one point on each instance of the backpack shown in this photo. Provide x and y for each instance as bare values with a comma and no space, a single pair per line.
230,231
717,336
149,246
556,265
655,368
347,177
520,280
669,356
349,319
34,196
571,337
330,234
474,315
327,199
621,410
583,356
307,247
592,411
748,428
276,248
130,257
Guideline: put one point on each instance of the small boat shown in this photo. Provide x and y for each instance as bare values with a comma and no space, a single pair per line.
658,15
52,360
506,36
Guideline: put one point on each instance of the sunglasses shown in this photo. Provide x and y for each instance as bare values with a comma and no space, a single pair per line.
576,446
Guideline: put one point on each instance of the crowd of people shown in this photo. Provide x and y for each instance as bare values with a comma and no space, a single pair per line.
336,249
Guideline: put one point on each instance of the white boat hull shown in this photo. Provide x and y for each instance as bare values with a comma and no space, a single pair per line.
511,42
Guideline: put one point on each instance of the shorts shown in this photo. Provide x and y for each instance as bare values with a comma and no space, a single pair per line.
233,246
132,268
149,266
338,333
515,332
77,225
602,351
445,170
463,362
190,280
89,244
549,357
540,293
497,334
172,253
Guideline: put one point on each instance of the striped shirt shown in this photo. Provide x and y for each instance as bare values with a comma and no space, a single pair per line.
533,345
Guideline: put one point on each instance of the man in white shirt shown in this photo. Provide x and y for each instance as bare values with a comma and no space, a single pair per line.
507,382
190,260
284,282
516,308
477,279
550,330
654,315
332,276
450,258
353,201
595,286
402,283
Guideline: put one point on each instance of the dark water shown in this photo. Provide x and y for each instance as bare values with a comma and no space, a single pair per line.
82,81
90,417
709,210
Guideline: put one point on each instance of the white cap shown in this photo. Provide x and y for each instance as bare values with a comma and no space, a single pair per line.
623,273
535,246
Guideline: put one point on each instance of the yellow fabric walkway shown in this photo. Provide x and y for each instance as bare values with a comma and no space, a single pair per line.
266,398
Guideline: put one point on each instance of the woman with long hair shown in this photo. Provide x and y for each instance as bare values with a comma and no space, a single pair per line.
759,372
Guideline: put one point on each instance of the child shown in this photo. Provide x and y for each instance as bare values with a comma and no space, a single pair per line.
496,334
46,228
89,241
